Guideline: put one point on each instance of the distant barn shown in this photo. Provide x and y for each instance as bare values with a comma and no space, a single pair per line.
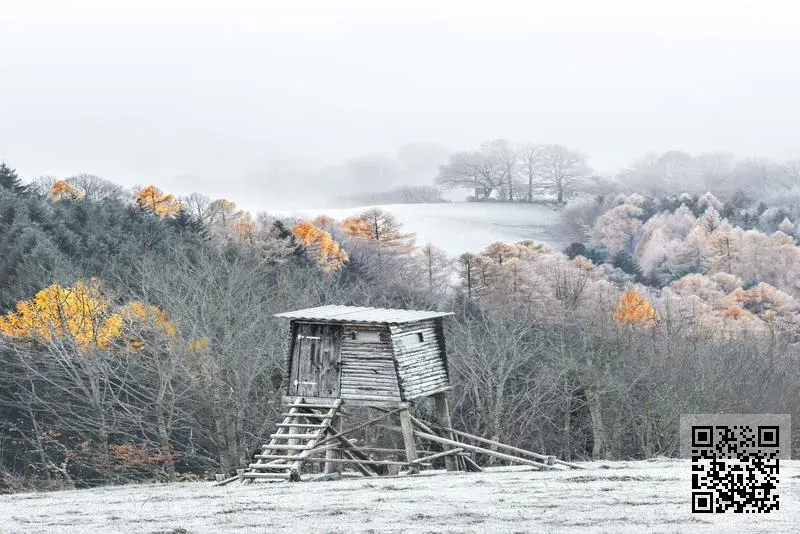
366,356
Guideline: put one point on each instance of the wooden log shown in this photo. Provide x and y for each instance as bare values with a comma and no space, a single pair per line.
288,447
332,452
408,439
507,447
310,406
443,418
446,454
470,464
326,476
366,471
504,456
410,465
272,466
228,480
422,426
300,425
280,436
268,476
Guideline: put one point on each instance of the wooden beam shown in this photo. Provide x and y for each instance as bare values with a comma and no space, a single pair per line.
361,467
410,465
446,453
497,444
362,425
332,452
408,439
489,452
227,480
443,418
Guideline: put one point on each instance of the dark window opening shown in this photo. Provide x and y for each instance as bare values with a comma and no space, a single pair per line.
419,336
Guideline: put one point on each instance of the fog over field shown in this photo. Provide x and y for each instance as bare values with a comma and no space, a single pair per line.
461,227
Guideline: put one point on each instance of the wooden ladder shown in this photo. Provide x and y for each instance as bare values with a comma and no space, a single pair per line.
303,426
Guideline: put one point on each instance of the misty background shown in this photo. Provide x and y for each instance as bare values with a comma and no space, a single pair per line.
285,104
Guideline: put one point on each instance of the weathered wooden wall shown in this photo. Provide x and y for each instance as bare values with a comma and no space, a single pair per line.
421,366
368,371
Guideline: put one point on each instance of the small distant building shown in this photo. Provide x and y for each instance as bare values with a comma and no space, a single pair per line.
482,193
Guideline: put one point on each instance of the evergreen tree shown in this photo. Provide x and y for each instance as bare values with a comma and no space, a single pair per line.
9,180
627,263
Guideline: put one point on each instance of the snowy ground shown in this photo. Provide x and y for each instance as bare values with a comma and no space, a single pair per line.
460,227
647,496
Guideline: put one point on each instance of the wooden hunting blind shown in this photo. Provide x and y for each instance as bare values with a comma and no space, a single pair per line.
384,359
366,356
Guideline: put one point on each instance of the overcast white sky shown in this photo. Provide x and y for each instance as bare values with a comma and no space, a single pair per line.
197,92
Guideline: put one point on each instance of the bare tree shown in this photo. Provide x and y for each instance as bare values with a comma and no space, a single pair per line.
530,156
474,169
96,188
562,169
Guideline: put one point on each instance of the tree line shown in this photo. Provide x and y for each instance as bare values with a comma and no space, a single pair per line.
511,171
138,340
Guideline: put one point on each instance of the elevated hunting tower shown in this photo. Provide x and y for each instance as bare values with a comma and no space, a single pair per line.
384,359
366,356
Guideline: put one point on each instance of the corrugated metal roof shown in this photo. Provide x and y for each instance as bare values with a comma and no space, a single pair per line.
356,314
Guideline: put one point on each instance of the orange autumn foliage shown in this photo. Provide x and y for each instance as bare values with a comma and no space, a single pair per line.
153,199
63,190
355,227
633,308
329,254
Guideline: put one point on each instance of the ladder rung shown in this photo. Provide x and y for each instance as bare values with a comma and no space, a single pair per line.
299,415
268,466
320,406
293,436
273,476
275,457
279,447
301,425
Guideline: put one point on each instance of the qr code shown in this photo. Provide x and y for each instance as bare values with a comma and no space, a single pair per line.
735,468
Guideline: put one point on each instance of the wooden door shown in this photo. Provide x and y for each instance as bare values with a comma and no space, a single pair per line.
316,361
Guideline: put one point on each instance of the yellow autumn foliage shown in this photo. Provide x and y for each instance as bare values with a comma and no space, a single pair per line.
62,190
245,230
82,315
141,312
196,345
152,198
79,313
329,254
634,308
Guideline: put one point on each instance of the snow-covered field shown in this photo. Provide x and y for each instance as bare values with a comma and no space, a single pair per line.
645,496
460,227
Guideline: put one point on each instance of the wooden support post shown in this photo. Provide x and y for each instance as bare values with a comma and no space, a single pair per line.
408,438
333,453
443,418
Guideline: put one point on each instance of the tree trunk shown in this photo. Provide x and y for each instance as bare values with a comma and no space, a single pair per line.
163,441
566,445
599,436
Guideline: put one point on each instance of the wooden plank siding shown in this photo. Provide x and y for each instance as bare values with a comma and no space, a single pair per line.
368,370
421,365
